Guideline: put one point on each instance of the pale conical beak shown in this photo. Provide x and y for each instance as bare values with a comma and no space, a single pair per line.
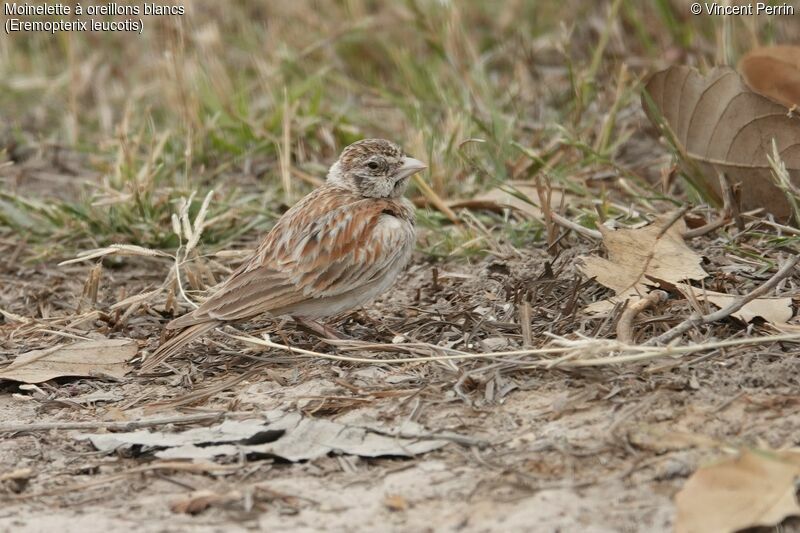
409,167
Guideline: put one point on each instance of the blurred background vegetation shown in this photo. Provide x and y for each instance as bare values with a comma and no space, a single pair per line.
103,133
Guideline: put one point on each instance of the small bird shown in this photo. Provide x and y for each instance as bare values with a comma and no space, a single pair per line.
336,249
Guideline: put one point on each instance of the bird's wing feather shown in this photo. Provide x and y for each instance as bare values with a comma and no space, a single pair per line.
330,243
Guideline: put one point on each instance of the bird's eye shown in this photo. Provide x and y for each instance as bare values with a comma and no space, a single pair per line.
373,165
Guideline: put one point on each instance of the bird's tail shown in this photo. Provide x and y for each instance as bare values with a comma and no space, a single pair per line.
173,345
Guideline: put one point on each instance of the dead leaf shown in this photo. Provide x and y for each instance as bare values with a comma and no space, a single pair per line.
395,502
286,435
15,481
508,197
757,488
107,357
774,71
636,255
200,500
723,126
773,310
663,438
20,473
788,328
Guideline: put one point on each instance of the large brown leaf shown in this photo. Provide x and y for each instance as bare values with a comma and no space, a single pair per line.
774,71
757,488
723,126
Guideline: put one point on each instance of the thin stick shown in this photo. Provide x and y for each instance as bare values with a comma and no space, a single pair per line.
730,201
285,150
574,226
198,395
706,229
113,426
178,264
728,209
545,194
631,353
625,324
374,360
355,345
525,322
697,319
647,352
676,215
308,178
180,466
435,199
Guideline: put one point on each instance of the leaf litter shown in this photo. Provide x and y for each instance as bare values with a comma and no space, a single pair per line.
98,358
288,436
777,311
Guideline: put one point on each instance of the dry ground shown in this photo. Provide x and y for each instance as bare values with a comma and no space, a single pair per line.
600,449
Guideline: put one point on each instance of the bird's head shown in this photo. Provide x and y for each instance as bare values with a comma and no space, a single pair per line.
374,168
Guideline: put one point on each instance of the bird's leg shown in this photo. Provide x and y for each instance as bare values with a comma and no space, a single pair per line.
321,330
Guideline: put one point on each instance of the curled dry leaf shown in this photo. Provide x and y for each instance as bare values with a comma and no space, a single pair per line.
720,125
788,328
16,480
774,71
395,502
287,435
757,488
200,500
665,437
637,256
107,357
520,196
773,310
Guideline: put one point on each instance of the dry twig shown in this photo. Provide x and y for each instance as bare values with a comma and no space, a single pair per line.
570,350
574,226
697,320
179,466
113,426
625,324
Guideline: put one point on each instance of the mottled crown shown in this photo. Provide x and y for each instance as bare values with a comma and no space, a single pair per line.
361,150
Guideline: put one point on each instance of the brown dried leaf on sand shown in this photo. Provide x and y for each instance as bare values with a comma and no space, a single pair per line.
637,256
107,357
773,310
756,488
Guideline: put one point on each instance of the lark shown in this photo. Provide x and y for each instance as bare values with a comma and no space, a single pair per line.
336,249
